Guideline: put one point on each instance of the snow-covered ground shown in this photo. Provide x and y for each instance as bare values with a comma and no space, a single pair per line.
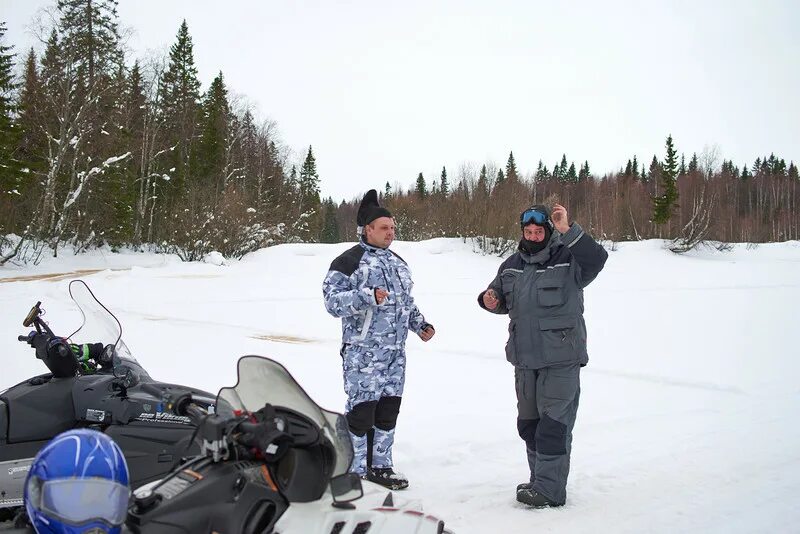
689,407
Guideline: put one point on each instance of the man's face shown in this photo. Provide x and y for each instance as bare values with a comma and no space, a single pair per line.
533,232
380,232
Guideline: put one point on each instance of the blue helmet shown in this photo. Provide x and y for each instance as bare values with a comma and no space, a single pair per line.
78,483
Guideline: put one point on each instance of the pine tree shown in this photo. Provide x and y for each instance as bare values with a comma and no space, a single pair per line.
682,168
421,189
628,169
511,168
500,178
665,203
635,168
445,187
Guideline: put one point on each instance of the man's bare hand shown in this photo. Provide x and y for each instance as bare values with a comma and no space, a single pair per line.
427,334
560,219
490,299
380,295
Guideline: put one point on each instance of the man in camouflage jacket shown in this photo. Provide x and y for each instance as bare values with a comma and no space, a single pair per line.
369,288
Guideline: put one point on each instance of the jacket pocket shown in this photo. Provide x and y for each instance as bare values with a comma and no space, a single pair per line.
550,292
511,346
558,338
508,280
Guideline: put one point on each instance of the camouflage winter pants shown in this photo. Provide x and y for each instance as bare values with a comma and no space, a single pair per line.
373,382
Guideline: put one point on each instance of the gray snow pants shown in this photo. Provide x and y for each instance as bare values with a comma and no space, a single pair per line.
547,404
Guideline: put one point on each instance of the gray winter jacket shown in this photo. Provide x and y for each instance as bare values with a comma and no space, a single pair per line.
543,297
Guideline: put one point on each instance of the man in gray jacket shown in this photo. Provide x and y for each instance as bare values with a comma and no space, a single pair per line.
540,287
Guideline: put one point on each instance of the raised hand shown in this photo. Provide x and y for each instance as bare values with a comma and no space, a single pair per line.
560,219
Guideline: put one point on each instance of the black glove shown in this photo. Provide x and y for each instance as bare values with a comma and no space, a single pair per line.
268,434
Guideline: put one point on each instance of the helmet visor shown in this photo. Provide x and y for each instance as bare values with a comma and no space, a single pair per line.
533,216
77,500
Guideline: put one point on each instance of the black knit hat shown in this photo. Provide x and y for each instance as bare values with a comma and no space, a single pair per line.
370,209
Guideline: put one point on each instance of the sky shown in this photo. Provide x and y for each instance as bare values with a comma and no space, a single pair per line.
384,91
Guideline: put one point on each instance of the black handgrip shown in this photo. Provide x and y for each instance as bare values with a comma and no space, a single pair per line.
195,413
24,339
152,389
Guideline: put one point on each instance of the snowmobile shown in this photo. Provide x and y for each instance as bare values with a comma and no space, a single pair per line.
96,384
272,462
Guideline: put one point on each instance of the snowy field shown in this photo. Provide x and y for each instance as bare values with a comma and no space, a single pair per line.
689,407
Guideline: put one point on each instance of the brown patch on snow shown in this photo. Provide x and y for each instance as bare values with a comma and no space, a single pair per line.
52,277
284,339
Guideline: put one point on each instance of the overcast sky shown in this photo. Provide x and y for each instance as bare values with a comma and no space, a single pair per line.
385,90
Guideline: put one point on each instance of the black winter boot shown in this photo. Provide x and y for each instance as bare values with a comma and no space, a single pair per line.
536,500
386,477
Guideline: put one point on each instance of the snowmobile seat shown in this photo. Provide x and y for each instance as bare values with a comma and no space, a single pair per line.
39,412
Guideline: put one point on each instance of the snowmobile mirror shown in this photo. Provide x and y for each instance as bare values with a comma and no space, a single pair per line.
32,315
346,488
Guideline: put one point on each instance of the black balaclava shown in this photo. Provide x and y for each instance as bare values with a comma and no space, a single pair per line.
532,247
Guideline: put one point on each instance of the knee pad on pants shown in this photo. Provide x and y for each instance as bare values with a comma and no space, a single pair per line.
386,412
362,417
551,437
527,431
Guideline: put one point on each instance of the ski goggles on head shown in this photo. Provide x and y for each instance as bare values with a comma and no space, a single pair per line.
533,215
76,501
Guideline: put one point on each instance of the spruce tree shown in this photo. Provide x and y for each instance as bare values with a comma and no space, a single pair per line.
584,173
563,169
445,187
572,176
212,145
309,183
791,173
664,204
635,168
511,168
693,164
387,189
482,187
542,174
90,36
500,178
179,94
421,188
8,133
682,168
330,227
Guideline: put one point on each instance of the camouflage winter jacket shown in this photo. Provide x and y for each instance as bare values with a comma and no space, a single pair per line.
349,291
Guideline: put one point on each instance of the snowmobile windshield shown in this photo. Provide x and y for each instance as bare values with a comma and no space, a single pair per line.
101,326
263,381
